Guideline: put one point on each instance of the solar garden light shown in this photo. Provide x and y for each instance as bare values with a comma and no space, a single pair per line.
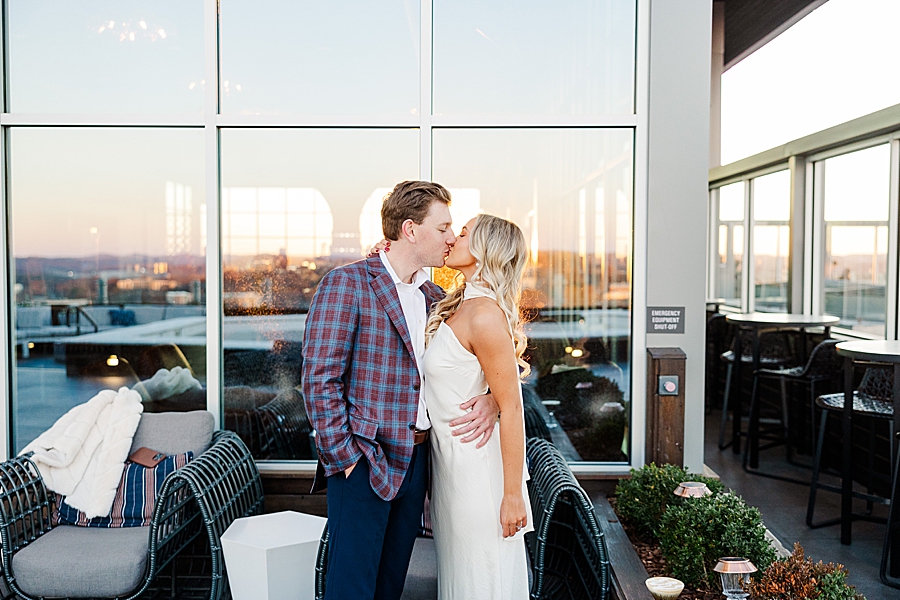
664,588
692,489
734,573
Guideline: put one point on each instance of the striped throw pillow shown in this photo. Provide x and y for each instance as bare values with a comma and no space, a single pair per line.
135,496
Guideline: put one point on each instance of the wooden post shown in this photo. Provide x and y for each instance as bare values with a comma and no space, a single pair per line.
665,413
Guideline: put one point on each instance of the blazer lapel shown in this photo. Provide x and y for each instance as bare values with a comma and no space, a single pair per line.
386,292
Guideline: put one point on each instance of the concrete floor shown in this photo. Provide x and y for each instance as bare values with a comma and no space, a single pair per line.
783,508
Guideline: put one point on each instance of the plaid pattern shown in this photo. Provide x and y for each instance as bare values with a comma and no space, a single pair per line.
360,381
135,496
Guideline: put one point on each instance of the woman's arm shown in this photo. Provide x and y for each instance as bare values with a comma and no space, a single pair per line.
493,346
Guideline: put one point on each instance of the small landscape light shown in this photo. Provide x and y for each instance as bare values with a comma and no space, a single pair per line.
112,361
664,588
734,573
692,489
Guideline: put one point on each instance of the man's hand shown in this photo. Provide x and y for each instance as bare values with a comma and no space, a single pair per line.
349,470
477,422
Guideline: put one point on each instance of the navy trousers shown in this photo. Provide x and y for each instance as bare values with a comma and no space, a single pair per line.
370,540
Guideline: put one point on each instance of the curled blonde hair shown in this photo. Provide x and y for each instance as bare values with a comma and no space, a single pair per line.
499,248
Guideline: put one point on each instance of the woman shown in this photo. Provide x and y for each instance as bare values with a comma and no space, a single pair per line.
480,508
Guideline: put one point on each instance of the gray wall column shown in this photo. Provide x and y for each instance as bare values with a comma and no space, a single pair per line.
678,158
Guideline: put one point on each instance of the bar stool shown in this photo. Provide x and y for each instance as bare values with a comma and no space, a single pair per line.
872,399
823,365
774,352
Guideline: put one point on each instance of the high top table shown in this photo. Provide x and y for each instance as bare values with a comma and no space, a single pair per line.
878,351
754,322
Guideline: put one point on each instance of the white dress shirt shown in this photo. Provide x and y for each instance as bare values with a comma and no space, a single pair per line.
413,302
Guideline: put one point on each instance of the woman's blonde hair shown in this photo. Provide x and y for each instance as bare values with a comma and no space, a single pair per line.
498,247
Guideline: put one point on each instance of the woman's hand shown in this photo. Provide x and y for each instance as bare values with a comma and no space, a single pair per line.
512,514
382,245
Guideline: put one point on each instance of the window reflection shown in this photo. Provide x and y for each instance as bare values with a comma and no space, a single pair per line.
570,57
109,269
771,240
728,274
105,56
296,203
571,193
316,58
856,190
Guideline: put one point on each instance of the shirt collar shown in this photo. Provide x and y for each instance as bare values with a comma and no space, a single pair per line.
420,277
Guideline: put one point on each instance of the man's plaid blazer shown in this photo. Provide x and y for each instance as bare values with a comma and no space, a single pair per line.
360,379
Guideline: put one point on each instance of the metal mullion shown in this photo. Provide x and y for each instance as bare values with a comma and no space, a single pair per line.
810,236
891,293
747,298
7,308
426,87
870,142
312,121
818,242
535,121
713,246
637,418
98,120
214,318
7,293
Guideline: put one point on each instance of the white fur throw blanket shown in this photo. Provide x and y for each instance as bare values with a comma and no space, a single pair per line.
83,455
166,383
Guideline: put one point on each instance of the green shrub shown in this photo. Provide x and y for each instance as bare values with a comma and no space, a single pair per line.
695,533
642,499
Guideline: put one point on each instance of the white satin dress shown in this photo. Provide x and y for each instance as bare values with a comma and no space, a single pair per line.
474,560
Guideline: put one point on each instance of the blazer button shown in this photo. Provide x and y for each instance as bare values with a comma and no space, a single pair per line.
416,387
412,426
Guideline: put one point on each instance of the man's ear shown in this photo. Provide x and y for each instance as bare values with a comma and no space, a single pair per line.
406,231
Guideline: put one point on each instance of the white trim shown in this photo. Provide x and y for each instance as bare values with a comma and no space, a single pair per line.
68,120
850,148
893,277
7,310
538,121
818,235
426,63
810,237
638,419
747,297
712,250
213,237
330,121
749,270
7,291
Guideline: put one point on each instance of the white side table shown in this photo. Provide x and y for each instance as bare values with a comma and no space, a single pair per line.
273,557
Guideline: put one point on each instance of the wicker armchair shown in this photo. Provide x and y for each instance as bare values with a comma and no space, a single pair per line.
200,499
567,548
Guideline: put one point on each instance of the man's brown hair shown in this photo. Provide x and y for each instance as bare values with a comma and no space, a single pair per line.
409,200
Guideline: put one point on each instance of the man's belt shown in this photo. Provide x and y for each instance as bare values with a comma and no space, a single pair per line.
420,437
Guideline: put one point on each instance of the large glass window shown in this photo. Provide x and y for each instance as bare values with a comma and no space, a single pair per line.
856,192
105,56
571,192
315,58
771,202
295,204
570,57
110,271
728,275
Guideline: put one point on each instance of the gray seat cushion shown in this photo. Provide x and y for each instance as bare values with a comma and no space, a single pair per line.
175,432
82,562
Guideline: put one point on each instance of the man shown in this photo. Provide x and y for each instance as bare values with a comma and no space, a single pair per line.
365,333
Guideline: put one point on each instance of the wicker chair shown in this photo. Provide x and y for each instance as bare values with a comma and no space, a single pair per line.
199,500
872,399
567,548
